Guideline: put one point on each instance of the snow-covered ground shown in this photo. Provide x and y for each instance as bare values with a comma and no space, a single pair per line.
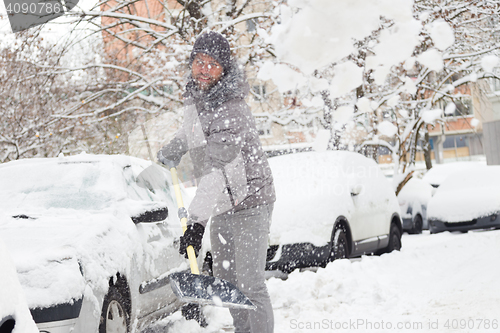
445,282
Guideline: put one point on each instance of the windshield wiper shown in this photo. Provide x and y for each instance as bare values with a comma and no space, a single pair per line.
23,216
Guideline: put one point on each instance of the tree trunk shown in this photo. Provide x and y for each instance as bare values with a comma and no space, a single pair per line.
427,150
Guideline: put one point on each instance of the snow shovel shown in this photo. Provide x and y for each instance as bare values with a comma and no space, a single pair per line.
202,289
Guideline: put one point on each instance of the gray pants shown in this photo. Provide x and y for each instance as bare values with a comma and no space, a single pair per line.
239,246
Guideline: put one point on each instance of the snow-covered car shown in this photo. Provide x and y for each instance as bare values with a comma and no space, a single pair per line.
93,239
14,311
330,205
413,199
467,200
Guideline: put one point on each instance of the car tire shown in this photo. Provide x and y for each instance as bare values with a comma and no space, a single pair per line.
114,316
417,225
339,245
394,239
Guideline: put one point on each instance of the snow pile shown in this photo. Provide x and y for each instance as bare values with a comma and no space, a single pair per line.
433,281
417,285
466,195
12,300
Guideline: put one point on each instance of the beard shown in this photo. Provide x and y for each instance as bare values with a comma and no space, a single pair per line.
207,83
204,84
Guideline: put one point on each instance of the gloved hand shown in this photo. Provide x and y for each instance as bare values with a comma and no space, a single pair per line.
192,236
171,154
170,162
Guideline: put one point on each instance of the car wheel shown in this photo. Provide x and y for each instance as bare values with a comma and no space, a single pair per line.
417,225
114,317
394,239
340,247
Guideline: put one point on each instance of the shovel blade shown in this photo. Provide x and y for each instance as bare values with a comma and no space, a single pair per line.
208,290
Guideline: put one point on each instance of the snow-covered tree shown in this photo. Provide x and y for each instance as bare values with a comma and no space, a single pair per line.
145,46
28,100
404,59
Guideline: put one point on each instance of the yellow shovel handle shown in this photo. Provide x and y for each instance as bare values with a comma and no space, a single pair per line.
180,204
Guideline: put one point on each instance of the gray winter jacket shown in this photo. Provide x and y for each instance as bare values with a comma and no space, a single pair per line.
220,134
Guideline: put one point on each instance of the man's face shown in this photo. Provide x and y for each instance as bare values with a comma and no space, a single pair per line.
206,71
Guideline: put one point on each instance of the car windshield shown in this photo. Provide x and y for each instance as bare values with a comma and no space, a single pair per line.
73,185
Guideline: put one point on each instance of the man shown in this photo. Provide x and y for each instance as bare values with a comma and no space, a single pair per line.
235,187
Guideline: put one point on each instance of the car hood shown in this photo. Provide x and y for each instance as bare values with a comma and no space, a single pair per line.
56,253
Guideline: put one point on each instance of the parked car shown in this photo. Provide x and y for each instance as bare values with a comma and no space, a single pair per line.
330,205
413,200
14,312
466,201
93,238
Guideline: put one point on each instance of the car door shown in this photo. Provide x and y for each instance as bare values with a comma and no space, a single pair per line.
160,242
367,214
385,201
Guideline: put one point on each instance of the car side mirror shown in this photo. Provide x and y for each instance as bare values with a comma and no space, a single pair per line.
156,215
355,190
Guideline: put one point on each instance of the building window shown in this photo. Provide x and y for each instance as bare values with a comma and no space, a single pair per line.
494,81
263,126
259,92
495,84
463,107
251,25
168,88
389,115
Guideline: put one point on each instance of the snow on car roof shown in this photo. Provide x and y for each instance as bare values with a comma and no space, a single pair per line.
467,194
438,173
